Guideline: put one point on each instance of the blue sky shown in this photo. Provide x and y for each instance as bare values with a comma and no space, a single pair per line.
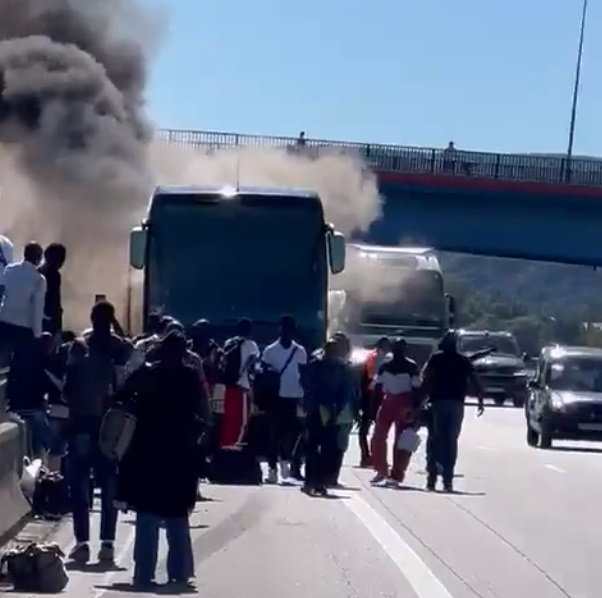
492,76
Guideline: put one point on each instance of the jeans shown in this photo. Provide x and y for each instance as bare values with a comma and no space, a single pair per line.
84,460
39,434
443,434
284,431
180,560
16,347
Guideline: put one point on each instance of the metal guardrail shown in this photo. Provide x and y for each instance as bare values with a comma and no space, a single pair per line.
418,160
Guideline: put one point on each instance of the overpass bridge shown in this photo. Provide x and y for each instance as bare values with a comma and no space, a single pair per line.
525,206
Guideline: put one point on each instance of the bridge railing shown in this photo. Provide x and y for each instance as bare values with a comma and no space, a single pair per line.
397,158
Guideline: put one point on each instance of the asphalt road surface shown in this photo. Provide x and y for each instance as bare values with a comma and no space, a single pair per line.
523,523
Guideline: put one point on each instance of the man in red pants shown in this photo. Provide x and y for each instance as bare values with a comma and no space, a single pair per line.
399,382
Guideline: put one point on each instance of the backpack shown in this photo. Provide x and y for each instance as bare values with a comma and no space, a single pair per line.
116,432
35,568
51,495
232,361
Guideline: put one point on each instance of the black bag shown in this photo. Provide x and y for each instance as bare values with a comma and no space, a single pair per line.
235,467
267,384
232,361
51,495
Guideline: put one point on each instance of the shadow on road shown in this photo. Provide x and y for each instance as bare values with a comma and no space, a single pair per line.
155,590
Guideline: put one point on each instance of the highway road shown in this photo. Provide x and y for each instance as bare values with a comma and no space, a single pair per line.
524,523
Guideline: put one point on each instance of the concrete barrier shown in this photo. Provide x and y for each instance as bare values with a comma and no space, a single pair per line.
14,508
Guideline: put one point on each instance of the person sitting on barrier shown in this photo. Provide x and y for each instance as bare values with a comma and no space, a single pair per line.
94,371
21,313
31,402
157,477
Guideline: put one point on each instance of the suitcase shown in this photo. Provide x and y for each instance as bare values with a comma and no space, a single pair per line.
235,467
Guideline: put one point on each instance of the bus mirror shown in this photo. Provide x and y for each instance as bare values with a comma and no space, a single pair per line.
137,247
336,251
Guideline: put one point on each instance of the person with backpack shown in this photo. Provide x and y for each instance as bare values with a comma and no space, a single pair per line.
240,356
284,360
94,371
157,479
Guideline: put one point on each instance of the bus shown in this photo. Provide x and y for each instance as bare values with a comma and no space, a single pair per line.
223,254
392,291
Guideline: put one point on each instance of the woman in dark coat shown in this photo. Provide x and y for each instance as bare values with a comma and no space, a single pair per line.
157,478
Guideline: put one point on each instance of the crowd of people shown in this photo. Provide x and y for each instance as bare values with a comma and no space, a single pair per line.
62,385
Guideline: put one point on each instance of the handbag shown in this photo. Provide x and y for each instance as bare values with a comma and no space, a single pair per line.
266,387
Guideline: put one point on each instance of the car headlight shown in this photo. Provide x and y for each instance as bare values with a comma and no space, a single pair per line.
557,403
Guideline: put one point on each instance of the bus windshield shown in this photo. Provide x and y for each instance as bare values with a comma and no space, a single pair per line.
418,300
225,260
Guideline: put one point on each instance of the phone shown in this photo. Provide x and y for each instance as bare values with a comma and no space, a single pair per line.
99,298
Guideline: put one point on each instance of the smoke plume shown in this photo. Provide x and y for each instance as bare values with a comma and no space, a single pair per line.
77,160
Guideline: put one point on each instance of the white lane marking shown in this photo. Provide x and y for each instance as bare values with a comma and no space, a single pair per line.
554,468
413,568
108,577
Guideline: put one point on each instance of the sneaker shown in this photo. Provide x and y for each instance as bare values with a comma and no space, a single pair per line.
106,554
322,491
272,477
297,475
431,482
285,470
448,486
309,490
379,478
393,482
80,553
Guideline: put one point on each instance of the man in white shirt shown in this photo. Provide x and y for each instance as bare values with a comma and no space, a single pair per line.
285,357
22,307
21,313
7,257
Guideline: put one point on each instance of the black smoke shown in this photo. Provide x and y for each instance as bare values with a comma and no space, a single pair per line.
72,81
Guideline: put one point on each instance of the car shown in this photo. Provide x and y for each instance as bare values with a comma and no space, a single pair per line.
565,397
499,363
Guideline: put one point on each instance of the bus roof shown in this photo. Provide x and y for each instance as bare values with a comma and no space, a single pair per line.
231,191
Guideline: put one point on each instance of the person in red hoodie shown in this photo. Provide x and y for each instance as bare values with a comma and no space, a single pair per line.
400,384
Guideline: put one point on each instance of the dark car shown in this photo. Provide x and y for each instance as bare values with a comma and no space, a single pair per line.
502,368
565,398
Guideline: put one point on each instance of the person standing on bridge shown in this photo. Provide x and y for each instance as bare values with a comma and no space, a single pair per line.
446,377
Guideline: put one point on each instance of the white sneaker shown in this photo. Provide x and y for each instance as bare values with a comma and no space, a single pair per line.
285,470
272,477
